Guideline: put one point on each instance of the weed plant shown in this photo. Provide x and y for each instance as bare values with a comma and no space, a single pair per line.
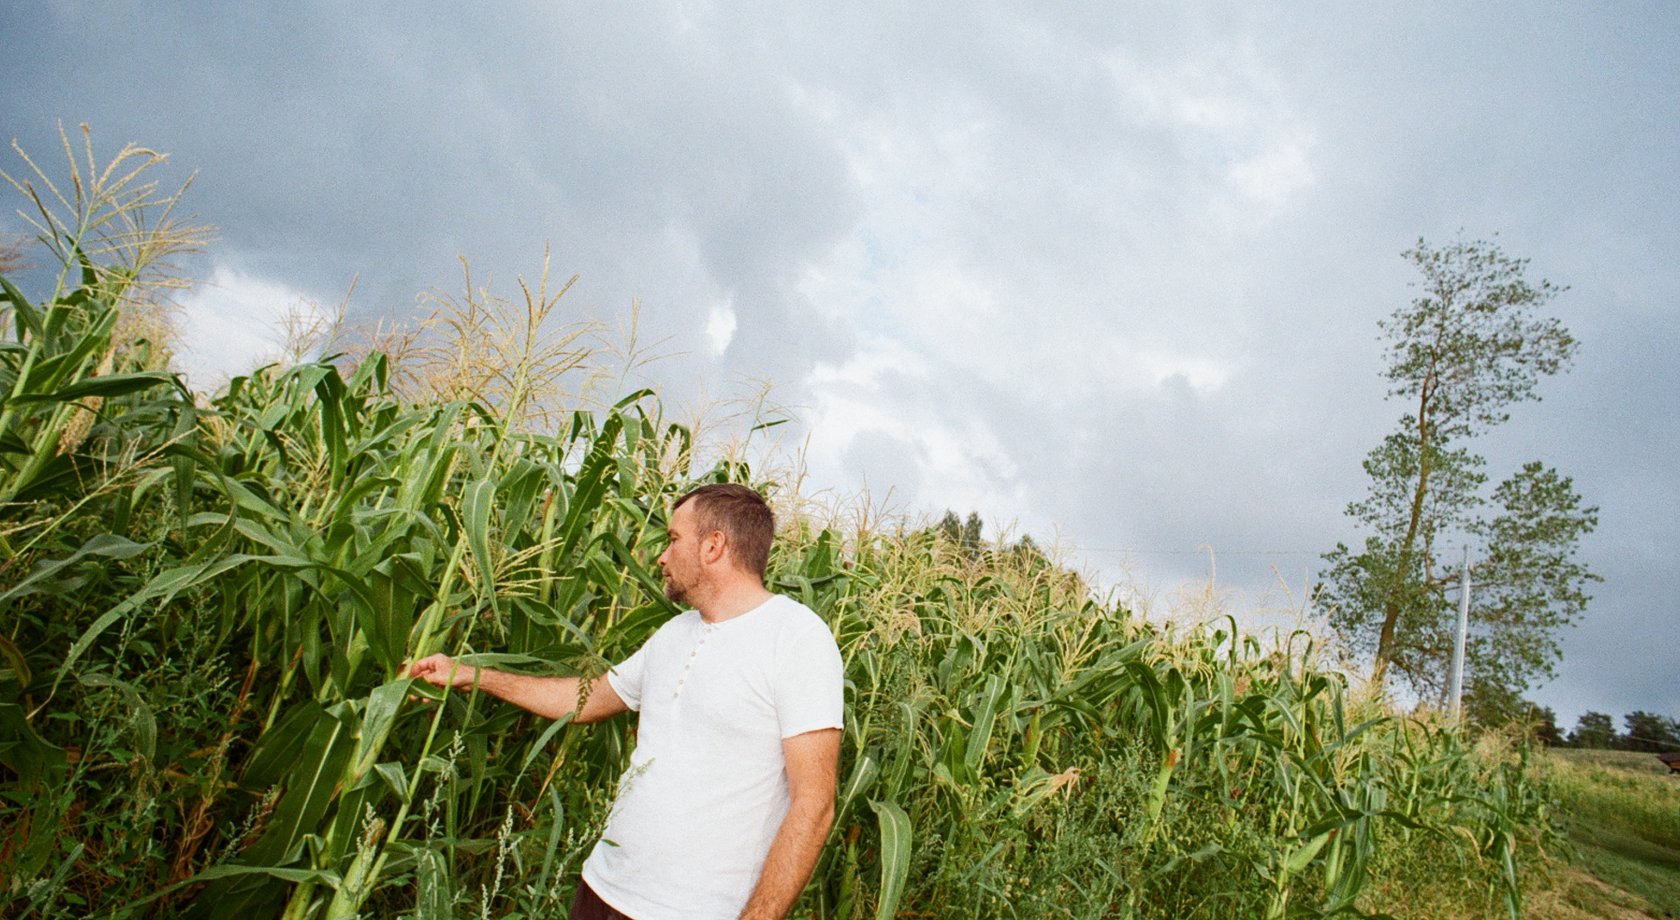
208,604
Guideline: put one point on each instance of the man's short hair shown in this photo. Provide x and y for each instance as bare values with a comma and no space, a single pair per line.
744,517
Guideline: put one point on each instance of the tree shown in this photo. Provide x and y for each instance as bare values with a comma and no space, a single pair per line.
1593,730
1460,355
1489,705
1546,729
1529,583
1647,731
965,535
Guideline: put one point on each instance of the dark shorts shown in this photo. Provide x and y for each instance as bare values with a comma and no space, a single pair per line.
587,905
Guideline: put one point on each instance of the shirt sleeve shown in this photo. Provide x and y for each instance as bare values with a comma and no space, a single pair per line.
626,677
810,681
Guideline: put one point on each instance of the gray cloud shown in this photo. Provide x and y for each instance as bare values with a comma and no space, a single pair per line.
1109,271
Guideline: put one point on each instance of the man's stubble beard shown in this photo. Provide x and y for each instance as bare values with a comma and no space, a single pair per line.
676,593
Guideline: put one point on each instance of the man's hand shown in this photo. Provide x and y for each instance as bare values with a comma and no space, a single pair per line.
550,697
443,671
813,761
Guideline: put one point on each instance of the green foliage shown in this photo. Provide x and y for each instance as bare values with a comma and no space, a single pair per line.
1646,731
1463,352
1471,344
1491,706
1530,583
964,535
1594,730
1545,727
210,604
1650,732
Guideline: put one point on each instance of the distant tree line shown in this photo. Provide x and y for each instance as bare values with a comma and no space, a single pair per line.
964,535
1645,731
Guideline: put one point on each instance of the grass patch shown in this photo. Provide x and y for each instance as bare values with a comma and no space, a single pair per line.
1621,812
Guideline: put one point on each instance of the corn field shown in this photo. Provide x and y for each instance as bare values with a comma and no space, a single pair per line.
206,604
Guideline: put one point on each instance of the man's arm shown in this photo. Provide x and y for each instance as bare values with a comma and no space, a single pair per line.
551,697
813,761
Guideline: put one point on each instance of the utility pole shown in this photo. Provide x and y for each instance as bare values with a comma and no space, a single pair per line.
1462,636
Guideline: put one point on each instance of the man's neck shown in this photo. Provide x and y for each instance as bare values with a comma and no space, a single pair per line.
733,600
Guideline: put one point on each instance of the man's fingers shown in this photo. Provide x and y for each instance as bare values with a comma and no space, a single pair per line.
428,671
427,667
442,671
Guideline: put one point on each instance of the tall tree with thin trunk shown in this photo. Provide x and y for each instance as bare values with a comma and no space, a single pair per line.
1472,344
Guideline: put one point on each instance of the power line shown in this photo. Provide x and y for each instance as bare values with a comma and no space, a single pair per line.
1196,552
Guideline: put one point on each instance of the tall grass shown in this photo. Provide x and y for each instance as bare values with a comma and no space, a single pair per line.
208,606
1622,816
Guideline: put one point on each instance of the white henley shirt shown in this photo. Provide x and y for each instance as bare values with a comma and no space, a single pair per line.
706,789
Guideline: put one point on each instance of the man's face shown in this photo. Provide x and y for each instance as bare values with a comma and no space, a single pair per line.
681,560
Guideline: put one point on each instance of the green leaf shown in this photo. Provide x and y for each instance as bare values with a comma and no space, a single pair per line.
377,718
279,748
396,584
31,757
985,717
29,317
106,545
895,856
19,665
863,774
1304,853
477,503
553,729
108,386
320,876
311,784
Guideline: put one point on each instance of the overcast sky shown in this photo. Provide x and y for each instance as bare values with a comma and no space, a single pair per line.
1109,272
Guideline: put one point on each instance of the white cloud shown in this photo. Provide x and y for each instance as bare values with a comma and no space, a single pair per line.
234,323
1145,369
720,328
1274,175
1230,109
865,369
876,412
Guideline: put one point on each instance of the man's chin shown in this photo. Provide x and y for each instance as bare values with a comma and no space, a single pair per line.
675,594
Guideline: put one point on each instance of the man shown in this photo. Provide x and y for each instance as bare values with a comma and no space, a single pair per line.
730,791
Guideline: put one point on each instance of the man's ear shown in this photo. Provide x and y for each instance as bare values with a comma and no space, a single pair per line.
714,547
